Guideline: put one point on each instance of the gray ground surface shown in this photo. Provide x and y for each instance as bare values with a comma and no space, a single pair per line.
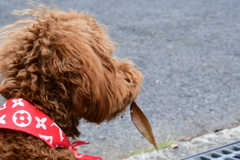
189,54
196,146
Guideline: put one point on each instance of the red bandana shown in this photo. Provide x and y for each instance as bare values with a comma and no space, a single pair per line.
18,114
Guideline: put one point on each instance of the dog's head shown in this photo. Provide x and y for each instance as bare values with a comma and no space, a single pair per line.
62,63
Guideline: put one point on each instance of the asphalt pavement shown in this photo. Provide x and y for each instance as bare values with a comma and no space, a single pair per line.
189,54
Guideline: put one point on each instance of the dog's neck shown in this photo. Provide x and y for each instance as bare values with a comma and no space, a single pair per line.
61,115
20,115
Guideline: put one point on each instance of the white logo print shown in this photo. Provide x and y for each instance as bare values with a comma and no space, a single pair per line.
60,131
17,102
78,155
59,146
3,106
2,121
46,138
41,123
22,118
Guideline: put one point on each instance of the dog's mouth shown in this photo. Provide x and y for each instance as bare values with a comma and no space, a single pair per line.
141,123
117,114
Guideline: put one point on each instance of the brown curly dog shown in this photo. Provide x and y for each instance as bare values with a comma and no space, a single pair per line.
61,63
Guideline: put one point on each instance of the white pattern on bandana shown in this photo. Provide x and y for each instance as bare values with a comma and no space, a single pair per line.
17,102
3,107
49,139
22,120
60,132
41,123
2,121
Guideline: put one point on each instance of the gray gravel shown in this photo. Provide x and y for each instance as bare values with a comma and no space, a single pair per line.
194,146
189,54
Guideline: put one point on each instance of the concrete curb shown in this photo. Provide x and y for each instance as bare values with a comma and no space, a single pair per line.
193,146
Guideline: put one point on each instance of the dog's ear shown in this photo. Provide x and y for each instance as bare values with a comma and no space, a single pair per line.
116,88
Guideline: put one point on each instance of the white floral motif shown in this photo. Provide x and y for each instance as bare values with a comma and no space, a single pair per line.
3,106
22,118
60,131
41,123
46,138
17,102
2,121
78,155
59,146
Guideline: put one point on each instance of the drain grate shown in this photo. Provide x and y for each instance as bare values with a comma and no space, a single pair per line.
227,152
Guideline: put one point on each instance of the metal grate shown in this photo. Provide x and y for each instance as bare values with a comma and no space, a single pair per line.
227,152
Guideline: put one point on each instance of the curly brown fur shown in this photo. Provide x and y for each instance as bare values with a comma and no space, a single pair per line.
26,147
62,63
